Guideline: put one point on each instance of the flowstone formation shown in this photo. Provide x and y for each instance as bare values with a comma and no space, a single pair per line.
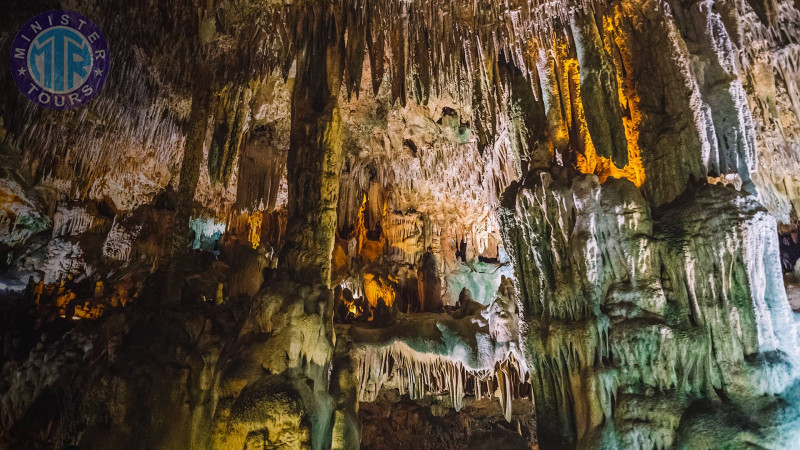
407,224
634,315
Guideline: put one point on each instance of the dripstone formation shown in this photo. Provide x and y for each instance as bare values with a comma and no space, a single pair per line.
417,224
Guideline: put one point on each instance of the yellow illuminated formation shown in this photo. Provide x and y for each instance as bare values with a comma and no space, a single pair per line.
588,161
254,228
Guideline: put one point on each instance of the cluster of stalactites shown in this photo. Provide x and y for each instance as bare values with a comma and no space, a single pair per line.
421,374
420,49
447,186
70,221
429,45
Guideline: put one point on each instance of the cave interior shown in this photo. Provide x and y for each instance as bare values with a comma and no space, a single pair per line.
422,224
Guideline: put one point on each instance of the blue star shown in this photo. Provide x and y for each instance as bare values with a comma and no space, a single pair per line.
21,71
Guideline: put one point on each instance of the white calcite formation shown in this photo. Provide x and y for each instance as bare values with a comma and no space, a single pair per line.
475,353
119,241
70,219
625,303
481,279
62,259
420,375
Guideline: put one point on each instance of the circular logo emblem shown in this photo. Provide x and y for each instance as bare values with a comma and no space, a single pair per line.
59,60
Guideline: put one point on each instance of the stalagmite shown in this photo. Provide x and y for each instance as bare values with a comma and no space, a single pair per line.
314,152
429,284
190,171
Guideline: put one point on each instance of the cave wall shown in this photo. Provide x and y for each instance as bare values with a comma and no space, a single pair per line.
627,307
641,304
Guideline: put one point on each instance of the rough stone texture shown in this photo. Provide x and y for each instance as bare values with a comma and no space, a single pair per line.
599,90
625,304
315,147
274,378
392,422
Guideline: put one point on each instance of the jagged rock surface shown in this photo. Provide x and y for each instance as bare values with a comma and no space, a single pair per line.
626,303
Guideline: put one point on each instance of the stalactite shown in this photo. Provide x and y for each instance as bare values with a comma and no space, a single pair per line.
70,220
418,375
355,52
551,96
678,97
261,182
598,85
447,48
119,242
